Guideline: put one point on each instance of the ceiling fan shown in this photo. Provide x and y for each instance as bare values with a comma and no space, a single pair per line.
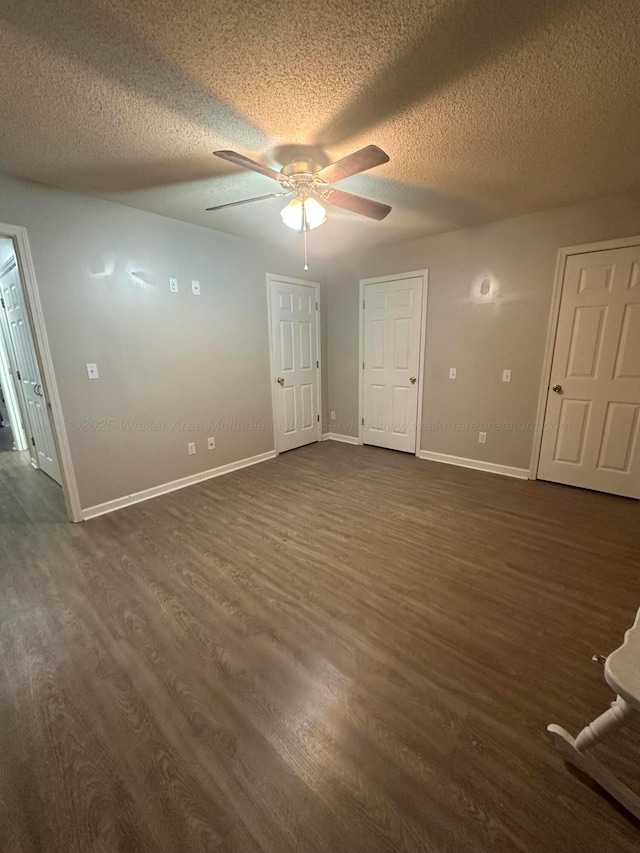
312,188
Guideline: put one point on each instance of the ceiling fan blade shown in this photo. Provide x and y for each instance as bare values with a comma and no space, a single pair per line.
247,163
246,201
357,204
359,161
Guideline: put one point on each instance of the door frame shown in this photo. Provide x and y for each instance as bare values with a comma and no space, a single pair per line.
424,274
271,277
554,315
35,318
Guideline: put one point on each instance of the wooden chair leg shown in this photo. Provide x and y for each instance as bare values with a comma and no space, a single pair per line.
576,751
604,725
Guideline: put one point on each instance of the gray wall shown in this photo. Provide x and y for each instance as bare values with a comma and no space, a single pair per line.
177,360
479,338
167,360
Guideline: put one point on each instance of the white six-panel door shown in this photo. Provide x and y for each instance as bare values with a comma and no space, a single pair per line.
25,366
392,331
295,362
592,418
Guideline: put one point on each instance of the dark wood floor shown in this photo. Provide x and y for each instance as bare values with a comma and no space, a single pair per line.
343,650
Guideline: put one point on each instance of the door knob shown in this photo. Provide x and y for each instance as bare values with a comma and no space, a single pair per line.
412,380
280,380
557,389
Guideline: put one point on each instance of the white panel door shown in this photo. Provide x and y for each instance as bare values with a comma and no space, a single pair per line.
593,408
391,347
295,360
25,368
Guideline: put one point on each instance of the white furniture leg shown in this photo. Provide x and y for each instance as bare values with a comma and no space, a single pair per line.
576,752
604,725
622,674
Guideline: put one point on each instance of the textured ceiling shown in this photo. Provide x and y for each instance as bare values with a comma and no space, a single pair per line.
487,108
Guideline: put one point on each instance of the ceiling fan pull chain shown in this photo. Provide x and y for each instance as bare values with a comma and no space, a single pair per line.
305,229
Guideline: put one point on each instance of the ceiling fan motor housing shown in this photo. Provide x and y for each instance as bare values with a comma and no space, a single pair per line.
301,166
302,178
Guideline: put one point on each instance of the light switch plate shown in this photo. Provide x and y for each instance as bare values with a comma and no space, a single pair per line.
92,371
453,373
211,443
195,288
506,375
191,447
482,437
173,285
332,416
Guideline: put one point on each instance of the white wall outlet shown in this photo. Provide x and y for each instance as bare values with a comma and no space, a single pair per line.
191,447
173,285
332,416
506,375
211,443
195,288
453,373
482,437
92,371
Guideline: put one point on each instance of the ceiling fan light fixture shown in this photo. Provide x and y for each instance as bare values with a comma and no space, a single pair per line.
314,213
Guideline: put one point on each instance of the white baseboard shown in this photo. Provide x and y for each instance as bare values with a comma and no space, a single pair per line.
335,436
477,464
156,491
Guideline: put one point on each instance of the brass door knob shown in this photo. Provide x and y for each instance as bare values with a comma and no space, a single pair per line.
280,380
412,380
557,389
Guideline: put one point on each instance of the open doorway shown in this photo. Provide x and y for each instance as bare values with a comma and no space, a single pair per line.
26,426
12,432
